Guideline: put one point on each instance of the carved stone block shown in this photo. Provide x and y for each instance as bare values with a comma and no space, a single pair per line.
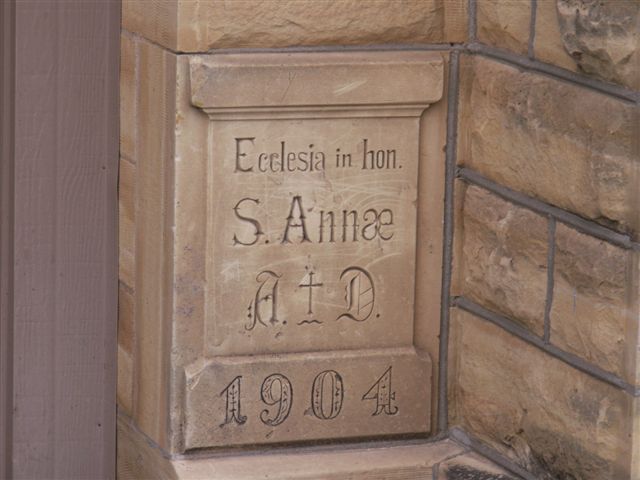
308,238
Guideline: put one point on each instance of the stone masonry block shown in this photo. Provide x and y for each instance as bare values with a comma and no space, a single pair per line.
592,312
505,24
126,221
603,37
564,144
504,258
198,25
536,409
597,38
548,45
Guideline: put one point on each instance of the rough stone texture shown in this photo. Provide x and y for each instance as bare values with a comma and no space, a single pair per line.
603,37
591,313
126,221
471,466
504,23
201,25
127,96
316,396
154,171
124,393
548,45
138,458
126,326
536,409
126,346
504,261
569,146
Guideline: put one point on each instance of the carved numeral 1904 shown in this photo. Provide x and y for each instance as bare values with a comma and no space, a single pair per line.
327,397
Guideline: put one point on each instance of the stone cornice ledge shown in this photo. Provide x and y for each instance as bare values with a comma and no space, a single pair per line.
316,85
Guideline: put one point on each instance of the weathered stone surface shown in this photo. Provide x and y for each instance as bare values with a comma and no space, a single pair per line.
534,408
504,24
126,222
126,319
312,234
603,37
592,311
190,177
471,466
137,458
548,45
201,25
124,395
566,145
156,124
263,270
504,258
127,96
126,345
314,396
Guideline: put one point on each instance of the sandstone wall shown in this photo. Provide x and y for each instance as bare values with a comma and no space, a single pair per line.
539,325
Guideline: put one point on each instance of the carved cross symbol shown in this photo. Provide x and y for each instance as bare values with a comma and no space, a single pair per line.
310,286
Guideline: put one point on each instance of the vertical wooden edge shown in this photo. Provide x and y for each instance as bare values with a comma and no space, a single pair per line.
112,148
7,90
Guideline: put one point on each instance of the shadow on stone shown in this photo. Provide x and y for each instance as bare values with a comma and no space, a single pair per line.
460,472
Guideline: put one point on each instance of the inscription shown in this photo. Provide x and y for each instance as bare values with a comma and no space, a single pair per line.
333,226
327,395
327,398
232,396
383,395
308,232
312,159
276,390
264,305
360,294
360,297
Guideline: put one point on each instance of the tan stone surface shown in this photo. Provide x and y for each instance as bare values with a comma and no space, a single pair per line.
127,96
516,126
200,25
156,20
603,37
534,408
548,45
314,396
504,258
137,459
471,466
125,381
126,221
429,233
368,266
153,232
592,314
273,81
217,289
126,319
174,193
504,23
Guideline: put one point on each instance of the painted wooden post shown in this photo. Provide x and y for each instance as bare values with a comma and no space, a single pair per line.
58,230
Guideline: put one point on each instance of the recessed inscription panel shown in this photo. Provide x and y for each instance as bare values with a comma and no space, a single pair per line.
307,397
310,250
311,235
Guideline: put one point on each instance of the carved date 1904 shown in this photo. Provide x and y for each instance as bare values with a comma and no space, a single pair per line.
327,398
